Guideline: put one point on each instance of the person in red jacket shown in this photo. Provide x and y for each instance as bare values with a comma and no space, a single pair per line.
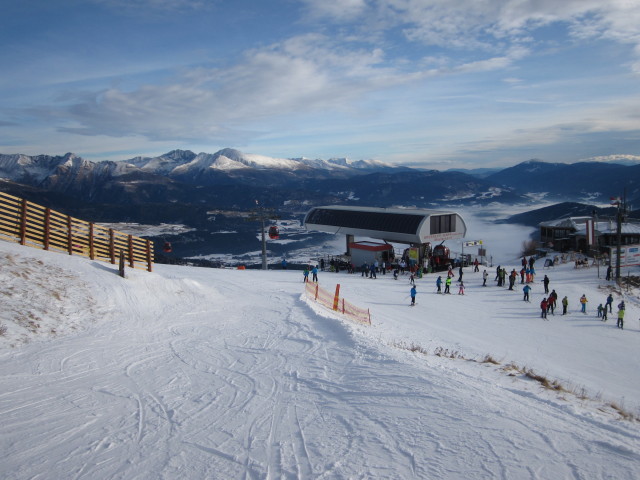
543,306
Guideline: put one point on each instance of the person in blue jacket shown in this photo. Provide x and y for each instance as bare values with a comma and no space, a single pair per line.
413,295
439,284
315,274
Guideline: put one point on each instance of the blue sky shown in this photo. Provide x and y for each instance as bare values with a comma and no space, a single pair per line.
428,83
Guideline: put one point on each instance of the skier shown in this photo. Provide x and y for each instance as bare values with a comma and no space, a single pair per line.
608,273
461,289
553,299
546,284
526,289
460,272
600,308
485,275
439,284
315,274
604,313
533,274
502,282
305,273
583,302
413,295
512,279
447,285
610,303
543,307
565,304
620,323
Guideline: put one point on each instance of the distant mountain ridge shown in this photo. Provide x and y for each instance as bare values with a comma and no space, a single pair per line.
230,178
594,181
191,189
180,162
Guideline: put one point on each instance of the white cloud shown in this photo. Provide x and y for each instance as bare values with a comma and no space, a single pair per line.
614,158
496,25
303,73
154,5
338,10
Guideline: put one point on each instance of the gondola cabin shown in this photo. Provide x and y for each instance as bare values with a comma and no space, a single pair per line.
441,257
274,233
166,248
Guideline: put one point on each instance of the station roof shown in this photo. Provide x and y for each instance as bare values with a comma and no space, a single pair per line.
402,225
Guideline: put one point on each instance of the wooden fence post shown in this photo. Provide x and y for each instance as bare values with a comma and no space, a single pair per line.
112,247
149,264
47,227
92,255
121,264
130,238
23,222
69,236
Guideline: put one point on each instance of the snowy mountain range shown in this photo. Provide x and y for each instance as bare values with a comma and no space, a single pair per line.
180,164
181,183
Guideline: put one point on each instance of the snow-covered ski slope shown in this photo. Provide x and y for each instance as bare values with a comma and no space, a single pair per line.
189,373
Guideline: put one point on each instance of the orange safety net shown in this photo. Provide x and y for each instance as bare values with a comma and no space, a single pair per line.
340,305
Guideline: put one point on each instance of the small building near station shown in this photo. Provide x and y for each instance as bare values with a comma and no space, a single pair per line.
370,252
593,236
581,233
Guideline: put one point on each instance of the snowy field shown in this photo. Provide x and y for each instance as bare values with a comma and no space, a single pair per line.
193,373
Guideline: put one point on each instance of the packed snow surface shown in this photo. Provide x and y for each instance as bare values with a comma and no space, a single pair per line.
210,373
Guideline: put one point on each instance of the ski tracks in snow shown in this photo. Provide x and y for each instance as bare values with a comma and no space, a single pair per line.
193,385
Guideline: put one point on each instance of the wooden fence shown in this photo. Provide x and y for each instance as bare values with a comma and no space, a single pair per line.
37,226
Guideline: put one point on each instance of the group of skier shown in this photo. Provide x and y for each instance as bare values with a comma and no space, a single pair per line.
548,303
310,269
